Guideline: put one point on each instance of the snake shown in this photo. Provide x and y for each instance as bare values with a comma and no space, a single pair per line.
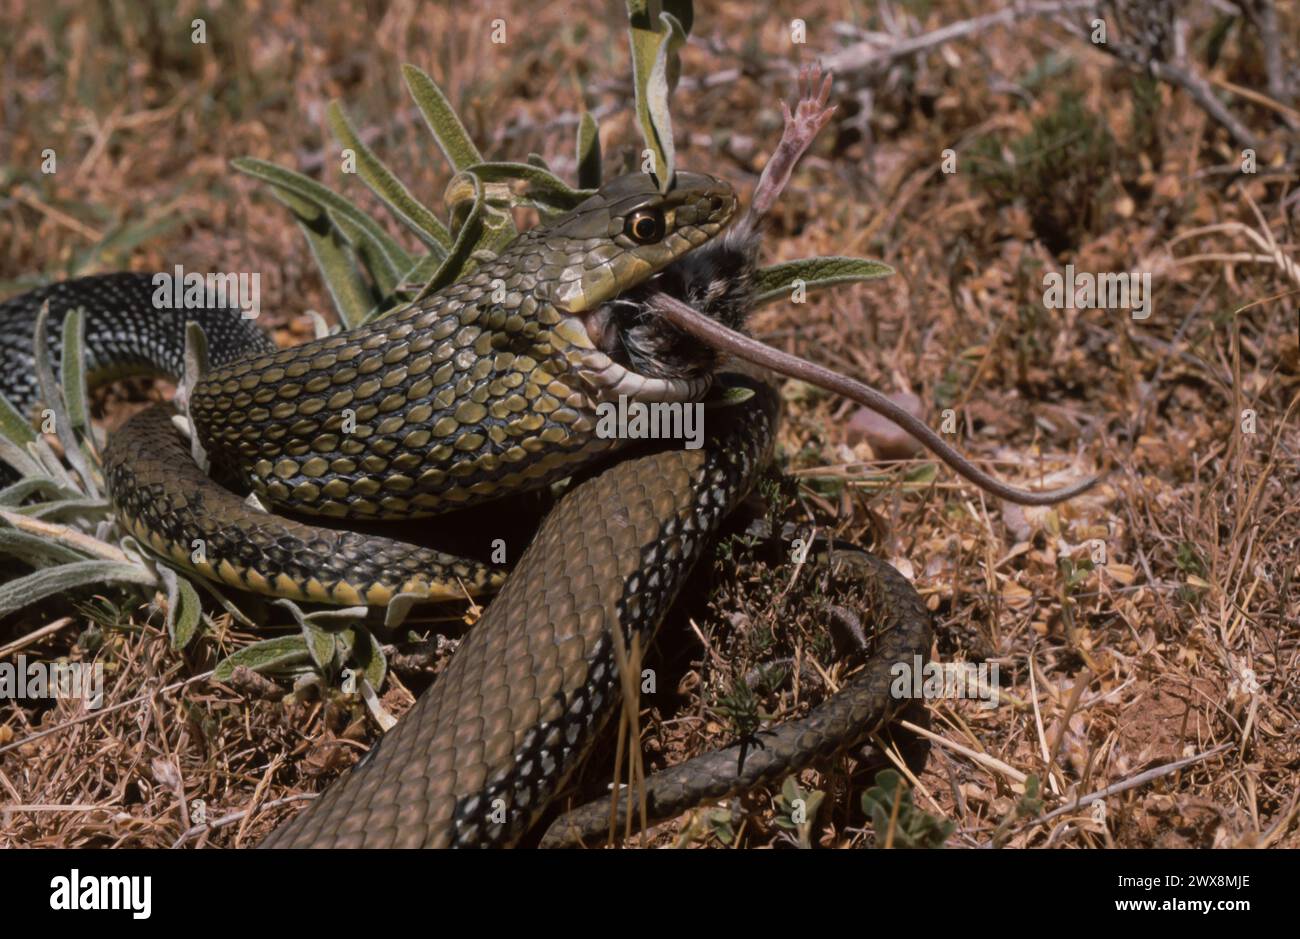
488,387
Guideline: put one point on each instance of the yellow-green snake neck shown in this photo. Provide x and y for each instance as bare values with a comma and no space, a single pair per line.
489,386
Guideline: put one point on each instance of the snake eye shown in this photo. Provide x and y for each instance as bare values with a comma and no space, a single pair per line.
645,226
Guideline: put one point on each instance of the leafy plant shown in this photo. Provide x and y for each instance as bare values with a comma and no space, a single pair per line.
796,810
1060,170
741,708
1029,805
66,553
1075,572
709,822
897,822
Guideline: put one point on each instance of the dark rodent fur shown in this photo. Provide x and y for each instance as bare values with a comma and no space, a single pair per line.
717,279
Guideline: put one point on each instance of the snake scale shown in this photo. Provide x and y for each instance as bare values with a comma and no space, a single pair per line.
487,387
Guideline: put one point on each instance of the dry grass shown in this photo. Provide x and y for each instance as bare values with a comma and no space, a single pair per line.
1107,675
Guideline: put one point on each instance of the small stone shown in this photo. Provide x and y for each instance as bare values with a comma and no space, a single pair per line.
887,440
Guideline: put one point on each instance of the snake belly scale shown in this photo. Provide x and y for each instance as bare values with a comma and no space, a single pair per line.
487,387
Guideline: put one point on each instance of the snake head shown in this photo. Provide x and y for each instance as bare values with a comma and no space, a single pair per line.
629,231
611,244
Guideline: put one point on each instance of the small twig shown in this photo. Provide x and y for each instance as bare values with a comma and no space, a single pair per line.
64,534
1081,682
1123,786
1263,16
983,759
779,602
1262,238
233,817
890,752
28,197
33,637
1290,115
866,55
255,803
101,712
1280,827
1189,81
1044,750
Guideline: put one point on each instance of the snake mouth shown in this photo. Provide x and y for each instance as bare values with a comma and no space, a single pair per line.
610,371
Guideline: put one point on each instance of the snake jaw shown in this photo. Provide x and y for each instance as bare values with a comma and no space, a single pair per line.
607,379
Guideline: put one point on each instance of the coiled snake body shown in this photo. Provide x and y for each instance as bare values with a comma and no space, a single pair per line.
488,387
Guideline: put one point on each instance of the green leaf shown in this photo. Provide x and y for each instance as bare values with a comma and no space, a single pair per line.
195,365
469,238
13,426
447,130
61,507
184,611
399,607
35,549
372,242
589,169
925,473
333,618
332,245
267,655
640,11
321,631
790,789
913,828
50,463
345,640
373,662
197,361
19,458
238,615
189,614
776,282
320,643
352,298
86,545
33,485
387,186
721,825
52,393
25,591
655,70
542,187
73,373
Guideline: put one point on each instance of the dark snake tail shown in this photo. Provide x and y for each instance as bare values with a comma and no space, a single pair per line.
862,704
127,333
